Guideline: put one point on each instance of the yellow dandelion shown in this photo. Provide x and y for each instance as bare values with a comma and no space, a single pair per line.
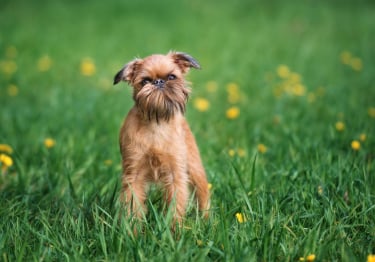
262,148
371,258
201,104
233,98
371,112
241,152
283,71
8,67
233,93
232,88
240,218
233,112
6,148
231,152
311,257
345,57
320,190
294,78
211,86
105,84
209,186
298,90
49,142
355,145
108,162
356,64
5,161
44,63
87,67
363,137
11,52
340,126
12,90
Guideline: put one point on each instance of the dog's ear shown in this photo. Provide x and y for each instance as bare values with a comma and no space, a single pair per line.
127,73
184,61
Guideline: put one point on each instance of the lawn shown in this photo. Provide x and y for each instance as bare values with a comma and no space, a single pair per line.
283,111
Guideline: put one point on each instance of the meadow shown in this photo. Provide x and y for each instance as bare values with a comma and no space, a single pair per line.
283,111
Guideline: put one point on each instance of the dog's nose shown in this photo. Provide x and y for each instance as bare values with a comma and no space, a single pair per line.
159,83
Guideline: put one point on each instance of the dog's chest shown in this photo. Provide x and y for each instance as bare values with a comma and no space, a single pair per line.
161,136
163,146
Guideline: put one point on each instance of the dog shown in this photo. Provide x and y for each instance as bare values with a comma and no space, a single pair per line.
156,143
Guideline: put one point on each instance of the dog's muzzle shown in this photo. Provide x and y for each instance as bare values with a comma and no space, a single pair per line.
159,83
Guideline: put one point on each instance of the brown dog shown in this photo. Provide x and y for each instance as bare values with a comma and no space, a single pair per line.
155,140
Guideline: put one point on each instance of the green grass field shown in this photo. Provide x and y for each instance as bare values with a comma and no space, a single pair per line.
283,111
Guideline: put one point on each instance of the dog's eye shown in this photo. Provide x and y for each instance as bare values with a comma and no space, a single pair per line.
171,77
145,81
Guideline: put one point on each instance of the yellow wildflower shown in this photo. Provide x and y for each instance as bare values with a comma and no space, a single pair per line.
346,57
294,78
262,148
240,218
209,186
108,162
49,142
241,152
311,257
320,190
44,63
87,67
232,88
233,93
233,112
5,161
283,71
371,258
301,259
362,137
12,90
340,126
201,104
356,64
371,112
298,90
231,152
355,145
8,67
233,98
6,148
211,86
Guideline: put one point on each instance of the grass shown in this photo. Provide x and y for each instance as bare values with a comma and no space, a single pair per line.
292,70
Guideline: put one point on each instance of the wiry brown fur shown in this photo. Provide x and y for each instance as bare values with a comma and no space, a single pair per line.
155,140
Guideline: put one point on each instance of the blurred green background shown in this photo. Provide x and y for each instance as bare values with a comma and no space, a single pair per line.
283,111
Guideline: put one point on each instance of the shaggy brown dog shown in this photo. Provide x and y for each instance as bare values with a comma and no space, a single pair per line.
155,140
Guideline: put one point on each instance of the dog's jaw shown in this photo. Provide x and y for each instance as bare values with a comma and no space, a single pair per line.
161,104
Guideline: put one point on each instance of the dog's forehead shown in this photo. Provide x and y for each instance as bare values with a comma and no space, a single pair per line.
159,65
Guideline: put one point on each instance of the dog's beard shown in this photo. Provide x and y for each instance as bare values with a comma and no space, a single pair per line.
162,103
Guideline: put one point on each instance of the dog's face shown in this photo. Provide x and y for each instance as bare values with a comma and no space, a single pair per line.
160,89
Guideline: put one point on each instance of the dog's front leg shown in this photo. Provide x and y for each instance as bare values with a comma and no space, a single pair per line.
177,194
134,193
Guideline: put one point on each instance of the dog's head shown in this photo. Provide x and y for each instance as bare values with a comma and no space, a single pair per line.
160,88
